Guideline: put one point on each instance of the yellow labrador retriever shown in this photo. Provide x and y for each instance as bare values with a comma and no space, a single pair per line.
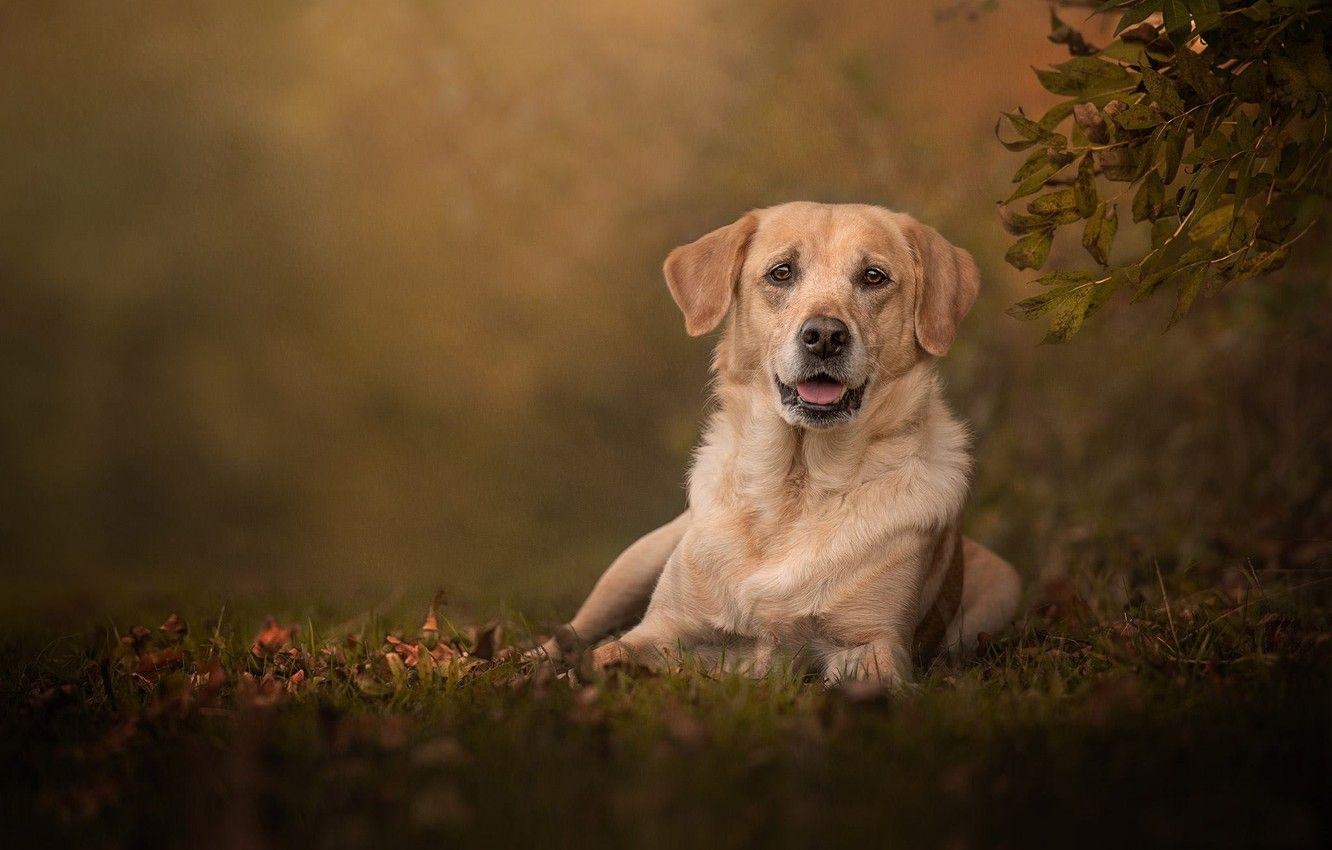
825,498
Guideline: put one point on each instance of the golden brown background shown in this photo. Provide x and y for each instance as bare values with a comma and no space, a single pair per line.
337,300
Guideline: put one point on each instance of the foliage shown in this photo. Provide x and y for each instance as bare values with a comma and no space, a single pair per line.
1204,120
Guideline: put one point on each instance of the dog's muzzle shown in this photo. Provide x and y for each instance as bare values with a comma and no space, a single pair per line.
820,399
823,394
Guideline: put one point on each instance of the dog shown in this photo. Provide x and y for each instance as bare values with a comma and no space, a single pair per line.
825,498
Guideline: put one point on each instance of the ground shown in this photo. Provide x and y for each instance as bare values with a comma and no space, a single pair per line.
1183,716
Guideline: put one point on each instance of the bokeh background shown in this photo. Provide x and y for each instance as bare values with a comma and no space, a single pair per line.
345,301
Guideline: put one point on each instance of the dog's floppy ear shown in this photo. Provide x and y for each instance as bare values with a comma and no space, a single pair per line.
949,282
702,274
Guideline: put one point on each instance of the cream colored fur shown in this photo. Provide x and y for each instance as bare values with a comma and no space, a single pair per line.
810,544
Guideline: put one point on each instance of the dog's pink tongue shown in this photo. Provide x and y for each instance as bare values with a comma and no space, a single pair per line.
819,392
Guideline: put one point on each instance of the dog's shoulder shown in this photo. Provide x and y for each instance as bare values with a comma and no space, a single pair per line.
922,472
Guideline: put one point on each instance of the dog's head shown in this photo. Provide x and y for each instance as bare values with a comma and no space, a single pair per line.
825,301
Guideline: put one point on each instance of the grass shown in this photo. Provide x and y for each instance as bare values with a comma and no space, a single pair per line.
1168,715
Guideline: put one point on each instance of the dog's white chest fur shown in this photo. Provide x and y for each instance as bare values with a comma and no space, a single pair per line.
781,587
788,525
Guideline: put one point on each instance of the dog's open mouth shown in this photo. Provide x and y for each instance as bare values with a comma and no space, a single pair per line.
820,390
821,398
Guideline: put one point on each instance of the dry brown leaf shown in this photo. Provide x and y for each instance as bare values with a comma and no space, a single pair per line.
430,628
295,681
410,652
152,663
207,681
174,625
273,638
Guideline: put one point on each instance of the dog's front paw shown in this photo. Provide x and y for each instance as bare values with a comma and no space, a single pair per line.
863,668
548,651
562,645
609,655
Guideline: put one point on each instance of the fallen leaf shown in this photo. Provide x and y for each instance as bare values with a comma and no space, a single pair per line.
174,625
273,639
207,681
430,628
152,663
295,681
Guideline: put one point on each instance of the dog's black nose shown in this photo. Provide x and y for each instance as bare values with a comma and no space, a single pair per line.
824,336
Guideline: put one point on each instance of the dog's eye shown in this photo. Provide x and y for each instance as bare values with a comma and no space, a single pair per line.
875,276
780,274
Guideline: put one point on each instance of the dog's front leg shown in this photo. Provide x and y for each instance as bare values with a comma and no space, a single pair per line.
876,641
622,592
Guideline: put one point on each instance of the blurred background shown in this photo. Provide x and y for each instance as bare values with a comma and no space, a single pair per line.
346,301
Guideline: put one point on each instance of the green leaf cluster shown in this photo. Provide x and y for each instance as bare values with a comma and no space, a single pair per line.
1205,120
